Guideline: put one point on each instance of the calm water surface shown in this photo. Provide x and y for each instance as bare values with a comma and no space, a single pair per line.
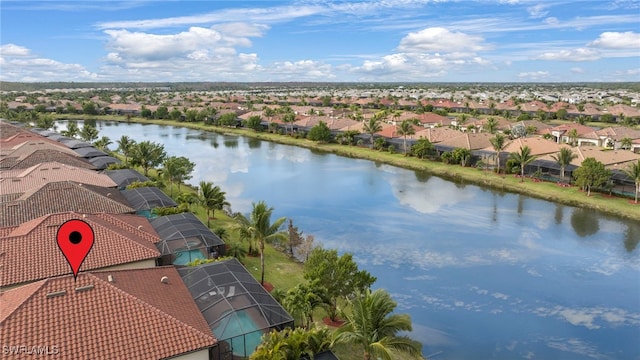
483,274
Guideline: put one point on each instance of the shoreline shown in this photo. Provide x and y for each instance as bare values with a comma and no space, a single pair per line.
571,196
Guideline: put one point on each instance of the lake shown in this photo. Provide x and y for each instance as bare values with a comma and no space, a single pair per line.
483,274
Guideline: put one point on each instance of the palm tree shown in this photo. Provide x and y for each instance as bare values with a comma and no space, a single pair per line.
522,159
289,118
259,227
633,171
564,158
491,125
573,137
498,143
372,326
103,143
72,130
371,127
125,146
406,128
626,143
212,198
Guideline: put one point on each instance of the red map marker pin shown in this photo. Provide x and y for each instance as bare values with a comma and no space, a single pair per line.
75,240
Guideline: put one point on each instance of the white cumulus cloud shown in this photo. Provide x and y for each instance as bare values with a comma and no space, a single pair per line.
579,54
617,40
441,39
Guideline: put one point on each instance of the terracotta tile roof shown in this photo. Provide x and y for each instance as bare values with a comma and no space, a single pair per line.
8,130
619,133
534,106
469,141
115,243
23,149
60,197
437,134
96,319
21,137
612,159
538,146
565,128
431,118
40,156
626,110
21,180
391,131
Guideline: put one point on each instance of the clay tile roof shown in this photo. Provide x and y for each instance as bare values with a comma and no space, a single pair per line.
431,118
8,130
565,128
115,243
21,180
612,159
469,141
97,319
60,197
538,146
40,156
21,137
436,135
27,147
619,133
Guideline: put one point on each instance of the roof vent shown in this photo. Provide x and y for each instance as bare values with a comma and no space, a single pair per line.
56,293
110,278
84,216
164,280
139,227
108,194
84,288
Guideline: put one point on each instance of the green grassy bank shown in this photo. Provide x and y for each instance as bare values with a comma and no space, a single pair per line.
544,190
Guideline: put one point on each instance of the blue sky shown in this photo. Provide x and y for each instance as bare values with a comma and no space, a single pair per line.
377,40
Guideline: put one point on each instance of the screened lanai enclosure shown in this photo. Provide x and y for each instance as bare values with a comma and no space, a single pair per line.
146,199
125,177
236,307
185,239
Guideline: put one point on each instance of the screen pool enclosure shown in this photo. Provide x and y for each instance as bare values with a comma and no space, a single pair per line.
236,306
185,239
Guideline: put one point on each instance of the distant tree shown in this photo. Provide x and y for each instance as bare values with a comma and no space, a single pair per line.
626,143
462,156
498,142
561,114
573,137
72,130
212,198
302,300
268,112
607,118
228,119
405,129
289,118
320,133
40,108
491,126
564,158
125,146
191,115
103,143
591,173
147,155
162,112
146,113
422,148
339,275
177,169
372,325
88,133
89,108
46,122
254,122
633,172
175,114
521,159
371,127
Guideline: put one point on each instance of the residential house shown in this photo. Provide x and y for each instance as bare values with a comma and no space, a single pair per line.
55,197
127,314
117,245
23,180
